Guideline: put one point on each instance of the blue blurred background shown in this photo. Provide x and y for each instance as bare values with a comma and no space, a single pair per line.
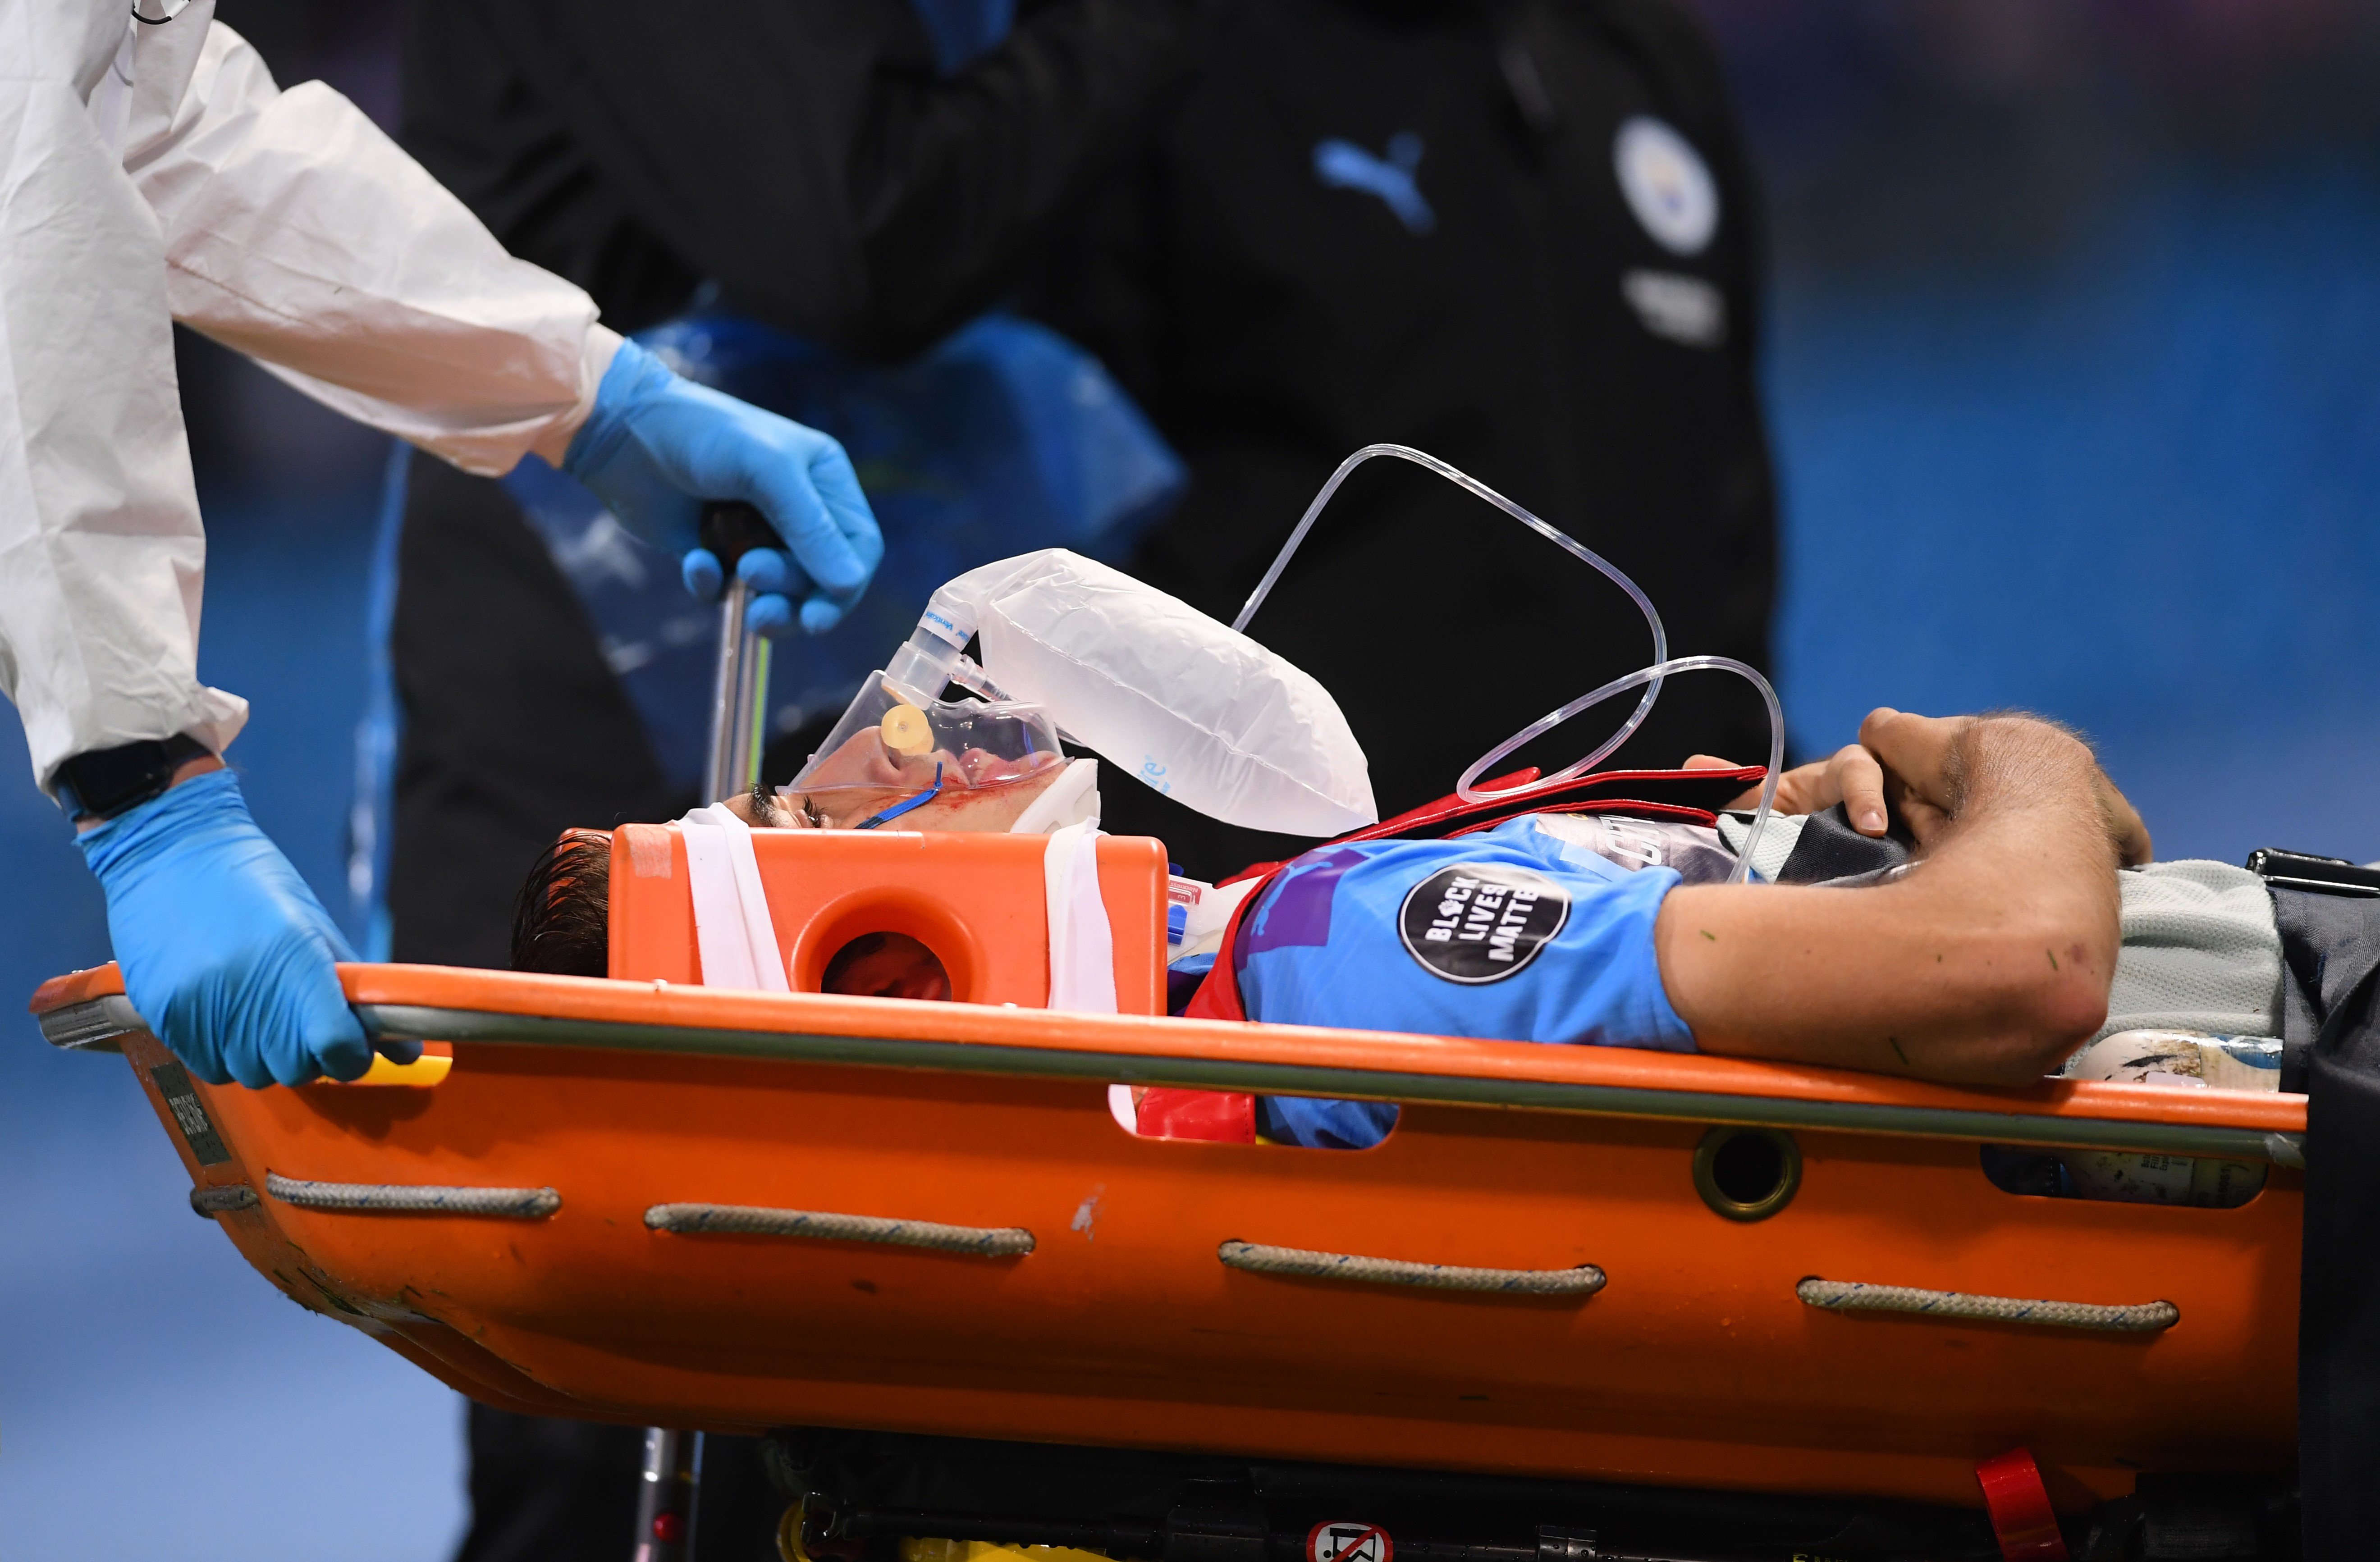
2074,368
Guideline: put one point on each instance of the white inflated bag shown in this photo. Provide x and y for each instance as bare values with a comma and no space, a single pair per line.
1191,706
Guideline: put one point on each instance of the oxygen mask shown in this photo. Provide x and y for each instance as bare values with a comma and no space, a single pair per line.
893,737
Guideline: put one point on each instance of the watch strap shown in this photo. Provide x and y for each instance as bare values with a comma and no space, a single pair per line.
103,782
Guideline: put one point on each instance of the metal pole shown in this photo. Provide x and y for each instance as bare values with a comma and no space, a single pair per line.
740,686
751,714
666,1497
739,683
723,771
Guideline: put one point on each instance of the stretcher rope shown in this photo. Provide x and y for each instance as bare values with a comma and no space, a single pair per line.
751,1220
404,1198
1851,1296
1584,1279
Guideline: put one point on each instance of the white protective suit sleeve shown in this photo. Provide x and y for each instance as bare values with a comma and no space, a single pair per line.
149,173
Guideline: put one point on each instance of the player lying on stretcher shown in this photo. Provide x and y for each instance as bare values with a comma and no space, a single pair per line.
1990,965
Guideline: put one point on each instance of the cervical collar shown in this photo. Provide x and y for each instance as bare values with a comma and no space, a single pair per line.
1073,798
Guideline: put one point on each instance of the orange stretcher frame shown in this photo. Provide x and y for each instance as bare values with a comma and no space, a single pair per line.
590,1104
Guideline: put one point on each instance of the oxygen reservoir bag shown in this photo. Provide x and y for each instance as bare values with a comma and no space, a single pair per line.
1196,709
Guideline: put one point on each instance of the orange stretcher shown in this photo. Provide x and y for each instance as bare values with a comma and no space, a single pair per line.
649,1203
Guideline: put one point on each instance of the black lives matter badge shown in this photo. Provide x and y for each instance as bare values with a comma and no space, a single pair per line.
1481,922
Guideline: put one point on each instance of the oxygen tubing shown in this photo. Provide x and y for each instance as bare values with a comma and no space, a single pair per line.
1650,677
1560,539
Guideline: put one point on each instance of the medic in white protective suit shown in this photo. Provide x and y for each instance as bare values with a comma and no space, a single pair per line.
150,171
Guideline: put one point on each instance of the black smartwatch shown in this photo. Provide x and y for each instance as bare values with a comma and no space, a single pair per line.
106,781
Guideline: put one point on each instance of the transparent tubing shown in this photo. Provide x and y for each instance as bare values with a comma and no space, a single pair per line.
1567,543
1651,677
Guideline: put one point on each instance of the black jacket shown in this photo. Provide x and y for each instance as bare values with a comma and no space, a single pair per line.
1273,320
804,155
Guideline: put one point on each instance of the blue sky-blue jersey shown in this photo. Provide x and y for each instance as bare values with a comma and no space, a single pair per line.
1397,935
1506,935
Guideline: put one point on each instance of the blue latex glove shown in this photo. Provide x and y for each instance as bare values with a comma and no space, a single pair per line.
225,951
656,446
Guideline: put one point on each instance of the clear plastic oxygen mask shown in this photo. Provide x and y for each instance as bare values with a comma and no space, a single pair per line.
1649,678
895,737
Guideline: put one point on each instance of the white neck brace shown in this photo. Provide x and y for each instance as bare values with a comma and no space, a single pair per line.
1073,798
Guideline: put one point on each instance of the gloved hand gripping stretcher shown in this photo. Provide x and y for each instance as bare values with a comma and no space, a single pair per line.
642,1200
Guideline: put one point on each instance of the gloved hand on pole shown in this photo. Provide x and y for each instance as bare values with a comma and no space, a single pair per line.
657,446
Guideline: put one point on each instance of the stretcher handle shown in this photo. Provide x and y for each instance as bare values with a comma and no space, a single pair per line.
1583,1279
413,1198
730,530
1856,1296
754,1220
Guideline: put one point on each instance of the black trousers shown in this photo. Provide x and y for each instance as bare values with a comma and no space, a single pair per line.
2330,1011
515,730
566,1490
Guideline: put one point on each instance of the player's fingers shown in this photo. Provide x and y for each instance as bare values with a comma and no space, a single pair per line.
1858,781
1801,790
2125,827
1926,821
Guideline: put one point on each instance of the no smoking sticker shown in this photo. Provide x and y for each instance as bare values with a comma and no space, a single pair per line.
1340,1541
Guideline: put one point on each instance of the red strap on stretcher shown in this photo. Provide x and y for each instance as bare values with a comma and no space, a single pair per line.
2023,1521
1687,796
1218,997
1227,1117
1222,1117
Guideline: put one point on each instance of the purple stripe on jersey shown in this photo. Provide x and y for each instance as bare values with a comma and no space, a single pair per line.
1296,910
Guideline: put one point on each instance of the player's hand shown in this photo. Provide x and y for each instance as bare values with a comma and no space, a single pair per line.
1926,758
1923,766
1851,776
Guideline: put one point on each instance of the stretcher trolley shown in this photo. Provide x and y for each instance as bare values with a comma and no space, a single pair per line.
1582,1303
1572,1285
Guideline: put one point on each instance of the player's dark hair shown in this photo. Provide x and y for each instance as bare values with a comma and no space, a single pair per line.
562,924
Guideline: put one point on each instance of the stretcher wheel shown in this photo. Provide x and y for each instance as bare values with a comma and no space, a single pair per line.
789,1532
